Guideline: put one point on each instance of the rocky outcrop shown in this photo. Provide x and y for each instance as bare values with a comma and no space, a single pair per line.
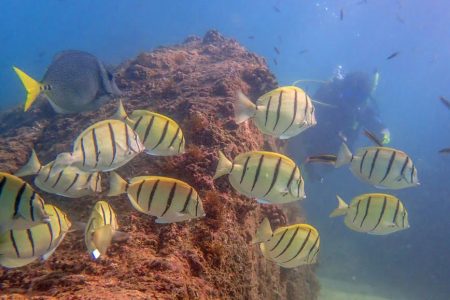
210,258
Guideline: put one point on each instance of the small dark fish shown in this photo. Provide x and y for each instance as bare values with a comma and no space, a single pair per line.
373,137
445,101
341,14
303,51
275,8
445,151
275,62
276,50
251,37
399,19
393,55
324,158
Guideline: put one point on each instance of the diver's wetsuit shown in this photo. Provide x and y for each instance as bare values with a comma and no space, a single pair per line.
353,110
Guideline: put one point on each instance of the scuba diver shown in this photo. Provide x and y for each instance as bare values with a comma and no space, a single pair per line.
348,107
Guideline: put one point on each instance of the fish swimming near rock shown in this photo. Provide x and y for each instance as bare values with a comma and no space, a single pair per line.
378,214
380,166
21,207
104,146
289,246
102,229
168,199
20,247
283,112
70,182
268,176
75,81
160,135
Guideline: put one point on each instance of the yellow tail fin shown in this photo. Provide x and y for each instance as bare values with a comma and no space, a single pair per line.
224,166
32,86
341,210
117,185
263,233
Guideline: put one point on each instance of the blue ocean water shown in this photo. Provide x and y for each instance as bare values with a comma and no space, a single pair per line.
411,264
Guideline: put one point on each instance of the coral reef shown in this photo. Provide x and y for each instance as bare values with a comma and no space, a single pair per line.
211,258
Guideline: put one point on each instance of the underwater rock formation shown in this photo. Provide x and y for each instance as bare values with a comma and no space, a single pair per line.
209,258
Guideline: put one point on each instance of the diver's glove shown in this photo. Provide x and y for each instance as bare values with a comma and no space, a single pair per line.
386,136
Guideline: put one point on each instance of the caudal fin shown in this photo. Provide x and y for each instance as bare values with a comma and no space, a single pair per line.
341,210
32,167
117,185
344,156
223,166
263,233
243,108
32,87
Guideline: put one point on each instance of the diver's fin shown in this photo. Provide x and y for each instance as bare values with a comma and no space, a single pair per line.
344,156
32,167
117,185
32,87
341,210
263,233
371,136
243,108
224,166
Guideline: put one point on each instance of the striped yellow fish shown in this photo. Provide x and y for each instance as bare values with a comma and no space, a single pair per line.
380,166
160,135
290,246
373,213
283,112
104,146
100,229
20,206
268,176
70,182
168,199
20,247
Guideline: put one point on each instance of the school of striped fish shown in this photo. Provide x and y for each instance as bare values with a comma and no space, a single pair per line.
31,230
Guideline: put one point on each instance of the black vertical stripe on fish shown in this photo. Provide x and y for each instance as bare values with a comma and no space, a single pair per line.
279,241
245,169
315,254
402,172
170,199
149,127
181,143
397,207
413,169
113,143
280,100
82,151
97,179
59,219
18,199
103,215
298,186
289,243
366,213
306,107
73,182
357,211
163,135
295,112
188,199
312,248
137,123
13,240
373,162
403,220
267,111
2,185
50,171
383,208
174,137
362,162
89,178
31,206
152,194
50,231
291,177
58,178
31,240
127,137
110,214
97,153
258,171
391,161
196,205
138,194
301,247
275,176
